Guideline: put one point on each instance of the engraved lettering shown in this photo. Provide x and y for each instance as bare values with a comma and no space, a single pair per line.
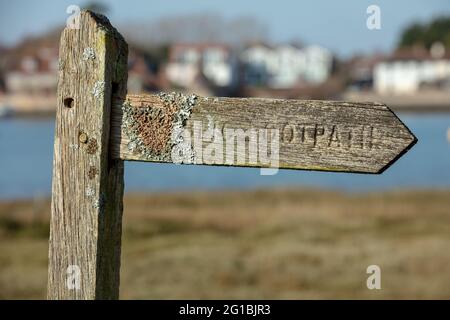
288,134
369,138
334,137
317,135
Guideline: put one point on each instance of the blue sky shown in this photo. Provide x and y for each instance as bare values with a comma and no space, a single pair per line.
338,25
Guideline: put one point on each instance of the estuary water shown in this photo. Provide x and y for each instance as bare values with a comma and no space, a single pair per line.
26,151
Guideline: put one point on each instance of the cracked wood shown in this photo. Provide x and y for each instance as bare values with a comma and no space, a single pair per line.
87,190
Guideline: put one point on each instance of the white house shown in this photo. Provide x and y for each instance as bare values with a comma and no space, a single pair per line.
318,64
190,62
259,62
35,73
407,72
286,65
289,66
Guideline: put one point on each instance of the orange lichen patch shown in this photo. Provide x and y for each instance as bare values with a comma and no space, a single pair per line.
154,130
92,146
154,126
92,173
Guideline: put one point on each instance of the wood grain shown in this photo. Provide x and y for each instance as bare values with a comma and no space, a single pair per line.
313,135
98,127
86,214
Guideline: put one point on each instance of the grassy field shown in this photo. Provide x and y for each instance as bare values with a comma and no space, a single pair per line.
277,244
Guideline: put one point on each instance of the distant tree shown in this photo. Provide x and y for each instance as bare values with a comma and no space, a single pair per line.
412,35
438,30
200,27
244,29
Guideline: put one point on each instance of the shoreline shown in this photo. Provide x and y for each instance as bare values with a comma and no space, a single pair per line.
427,101
232,192
419,109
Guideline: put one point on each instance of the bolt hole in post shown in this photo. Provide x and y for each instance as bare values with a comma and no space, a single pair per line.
68,103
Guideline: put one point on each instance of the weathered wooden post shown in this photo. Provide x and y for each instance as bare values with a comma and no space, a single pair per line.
98,127
86,218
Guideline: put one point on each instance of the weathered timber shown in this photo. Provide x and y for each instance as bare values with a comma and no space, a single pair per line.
86,214
98,127
312,135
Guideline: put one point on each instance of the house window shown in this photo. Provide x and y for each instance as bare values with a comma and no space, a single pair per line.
214,56
29,64
190,56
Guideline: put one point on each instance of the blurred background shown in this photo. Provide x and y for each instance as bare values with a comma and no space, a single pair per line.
216,232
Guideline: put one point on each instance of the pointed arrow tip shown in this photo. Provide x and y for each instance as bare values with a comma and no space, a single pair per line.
412,141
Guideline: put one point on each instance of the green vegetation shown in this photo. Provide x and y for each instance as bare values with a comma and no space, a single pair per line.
292,244
438,30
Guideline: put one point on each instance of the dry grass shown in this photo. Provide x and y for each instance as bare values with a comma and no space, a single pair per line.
291,244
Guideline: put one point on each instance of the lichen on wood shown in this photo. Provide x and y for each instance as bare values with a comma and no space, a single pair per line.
88,54
92,146
92,173
312,135
99,203
156,131
99,89
87,188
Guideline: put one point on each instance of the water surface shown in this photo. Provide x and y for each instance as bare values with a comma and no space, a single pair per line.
26,148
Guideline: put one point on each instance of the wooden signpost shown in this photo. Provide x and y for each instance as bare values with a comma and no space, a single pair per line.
98,127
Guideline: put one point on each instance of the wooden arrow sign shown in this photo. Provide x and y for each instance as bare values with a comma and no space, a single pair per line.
98,126
293,134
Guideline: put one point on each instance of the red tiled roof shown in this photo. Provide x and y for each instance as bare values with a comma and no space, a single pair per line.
415,53
175,49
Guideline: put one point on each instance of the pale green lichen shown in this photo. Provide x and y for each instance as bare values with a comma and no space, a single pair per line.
99,204
74,146
88,54
181,151
90,192
99,89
